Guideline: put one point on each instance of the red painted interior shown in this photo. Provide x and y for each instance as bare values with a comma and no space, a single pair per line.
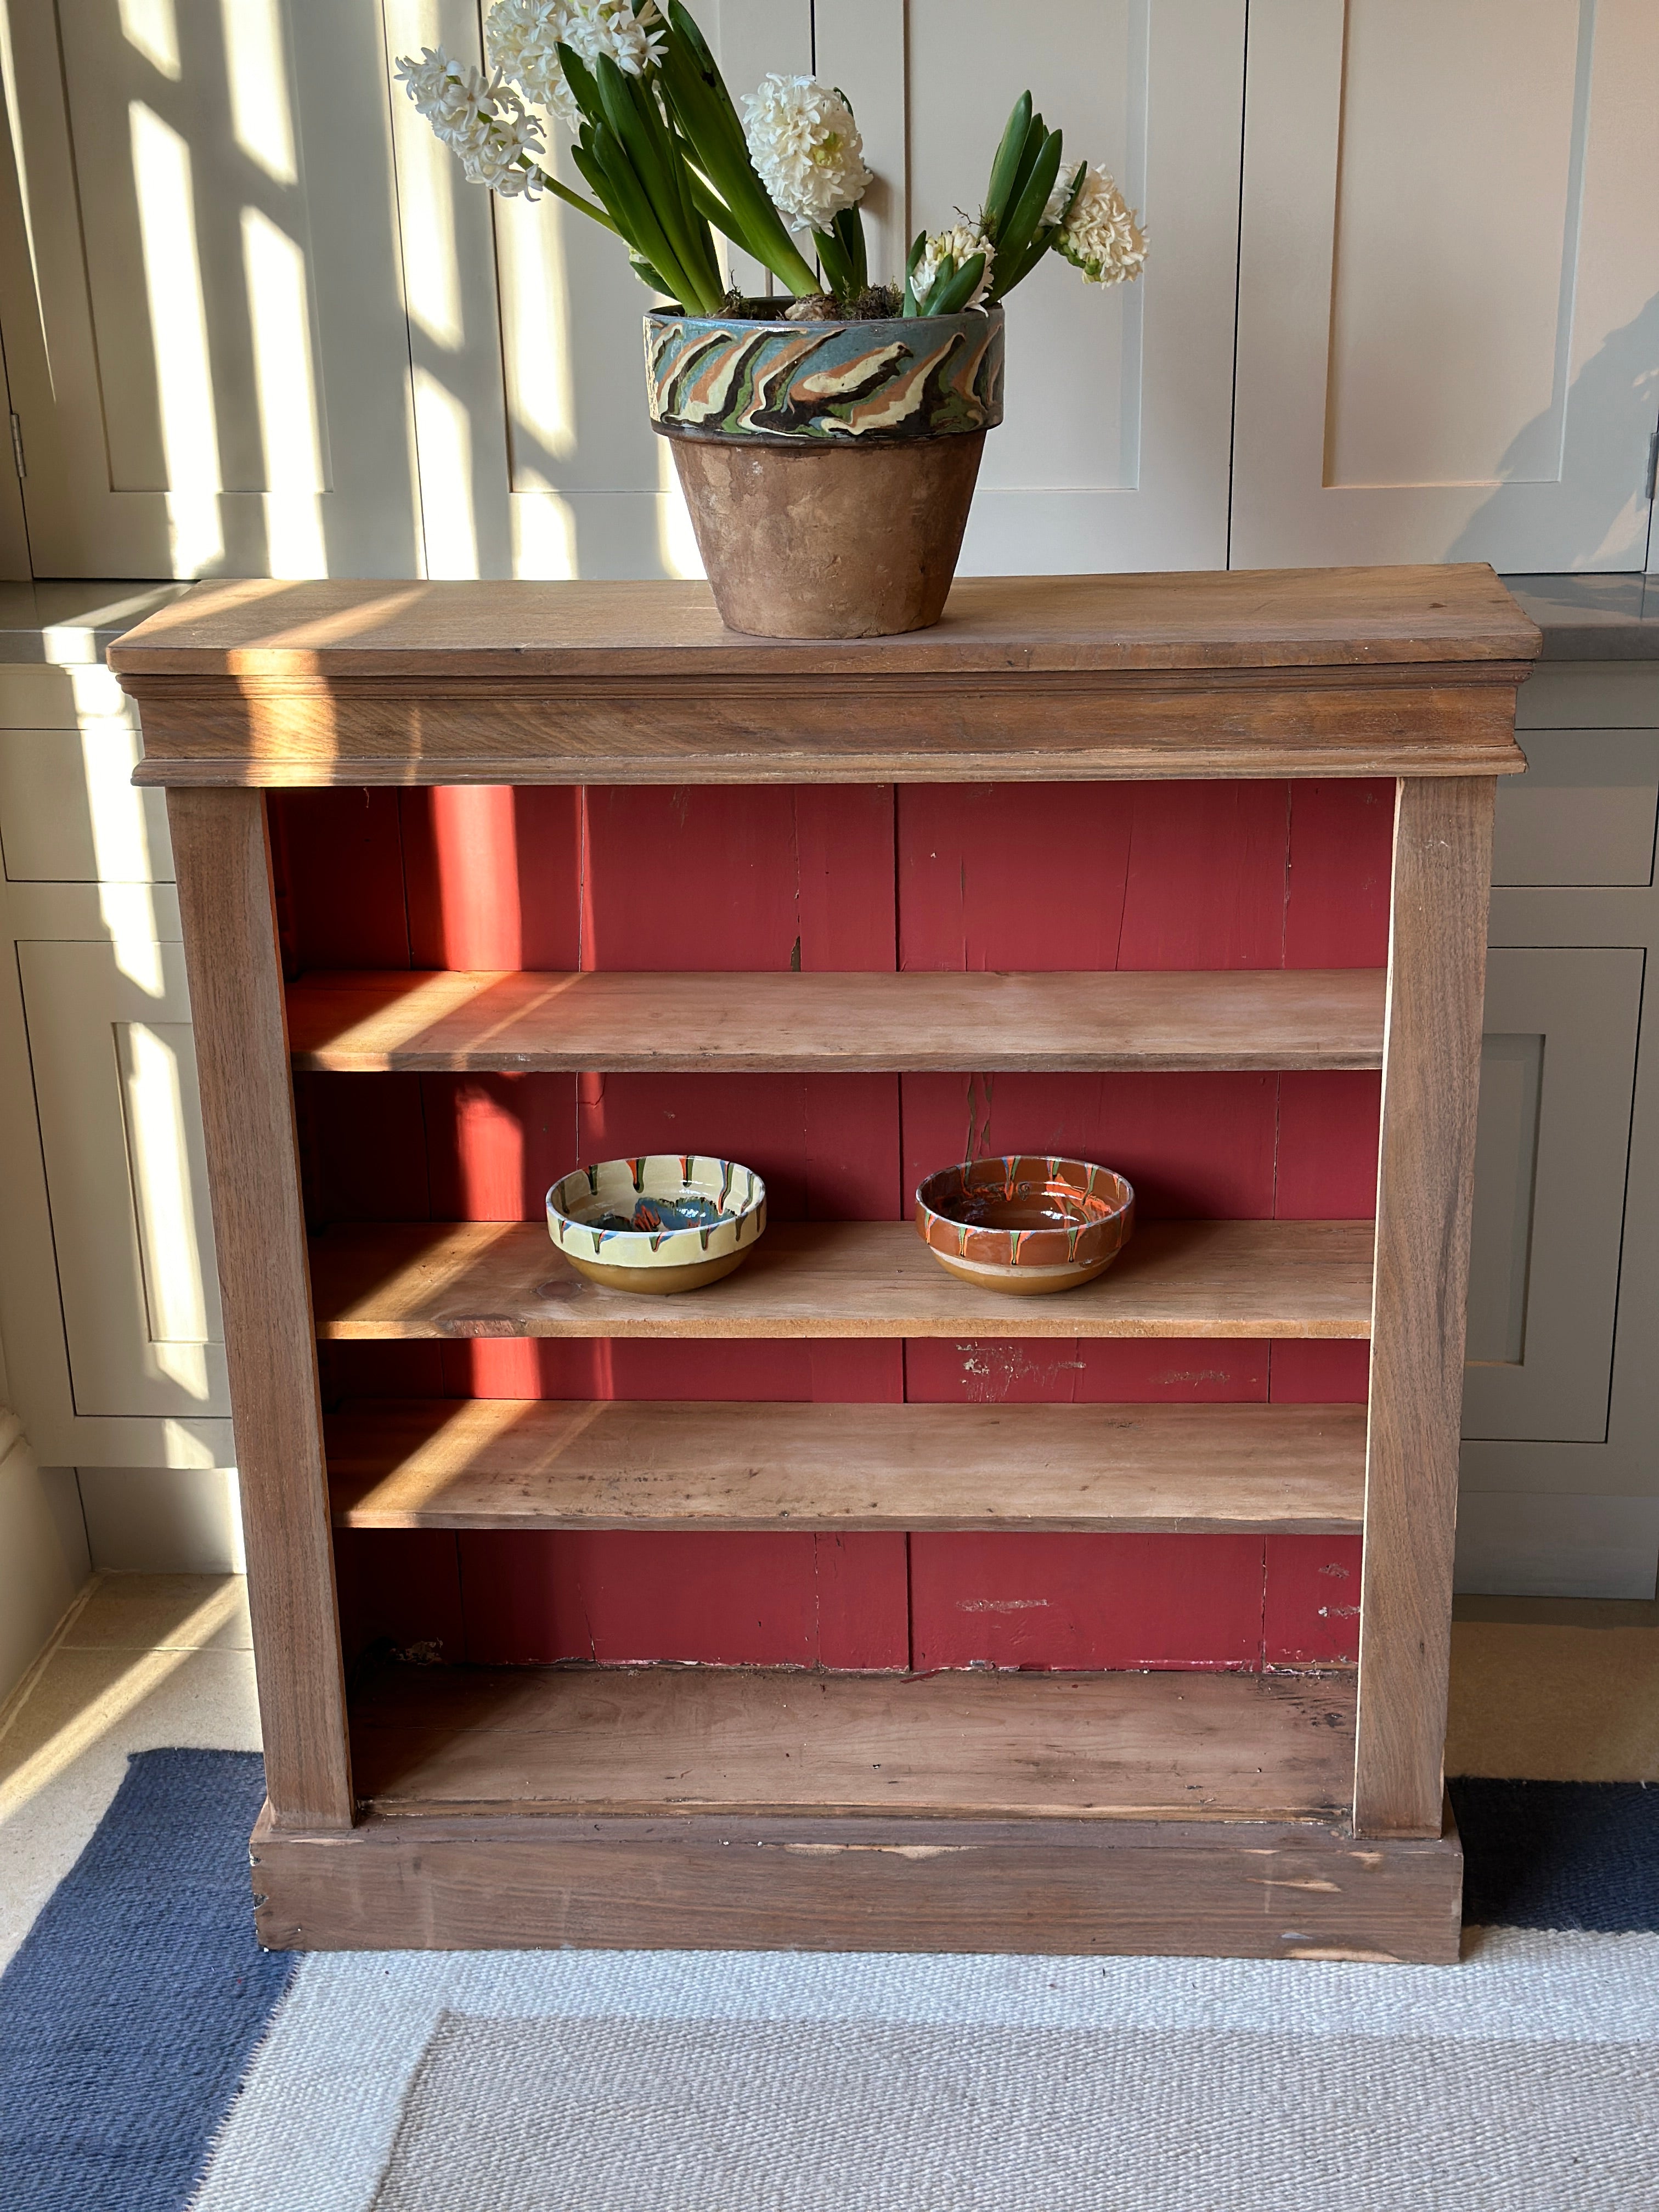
1150,875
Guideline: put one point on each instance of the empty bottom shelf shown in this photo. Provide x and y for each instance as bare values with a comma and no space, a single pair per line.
654,1741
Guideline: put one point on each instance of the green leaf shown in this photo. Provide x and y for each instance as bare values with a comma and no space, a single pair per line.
1040,244
580,78
950,298
850,229
630,203
699,102
911,306
658,161
1004,169
942,275
1034,139
832,260
1025,216
713,209
648,276
1025,219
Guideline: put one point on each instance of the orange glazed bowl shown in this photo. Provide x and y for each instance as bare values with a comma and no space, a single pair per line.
1025,1224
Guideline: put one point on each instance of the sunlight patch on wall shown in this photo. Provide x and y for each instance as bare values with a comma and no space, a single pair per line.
178,322
257,69
427,175
444,436
536,331
152,27
280,310
157,1059
543,535
676,542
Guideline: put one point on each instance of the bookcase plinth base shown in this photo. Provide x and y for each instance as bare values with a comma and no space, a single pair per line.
1224,1888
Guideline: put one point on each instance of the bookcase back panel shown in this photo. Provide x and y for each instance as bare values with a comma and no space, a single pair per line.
1165,875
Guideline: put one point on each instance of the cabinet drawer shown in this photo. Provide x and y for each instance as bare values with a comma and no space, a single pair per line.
68,813
1584,812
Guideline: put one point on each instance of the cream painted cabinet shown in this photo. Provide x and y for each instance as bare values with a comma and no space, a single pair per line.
1448,298
108,1302
1401,303
205,331
1560,1467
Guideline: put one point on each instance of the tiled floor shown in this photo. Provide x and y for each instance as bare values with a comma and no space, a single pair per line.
1556,1691
146,1660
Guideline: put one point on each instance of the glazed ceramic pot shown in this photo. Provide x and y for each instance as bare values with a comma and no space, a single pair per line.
829,466
665,1222
1024,1224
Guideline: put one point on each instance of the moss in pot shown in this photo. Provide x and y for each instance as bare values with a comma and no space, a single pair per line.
828,440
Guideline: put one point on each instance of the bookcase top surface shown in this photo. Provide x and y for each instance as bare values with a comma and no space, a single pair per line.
994,626
1315,671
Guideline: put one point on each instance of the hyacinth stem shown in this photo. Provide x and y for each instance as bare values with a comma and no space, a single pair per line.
550,184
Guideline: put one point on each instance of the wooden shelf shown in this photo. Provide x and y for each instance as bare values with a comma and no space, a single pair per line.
666,1740
524,1021
867,1278
547,1463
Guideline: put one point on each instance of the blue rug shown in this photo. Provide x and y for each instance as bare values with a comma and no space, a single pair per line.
128,2018
134,2013
1560,1854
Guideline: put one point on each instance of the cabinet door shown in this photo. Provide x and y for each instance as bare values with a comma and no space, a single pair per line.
204,327
1113,453
1447,332
1556,1079
120,1127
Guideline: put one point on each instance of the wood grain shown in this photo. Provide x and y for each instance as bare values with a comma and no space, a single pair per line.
1252,1889
223,859
551,1463
1301,672
454,1021
361,732
849,1278
653,1740
1430,1089
993,626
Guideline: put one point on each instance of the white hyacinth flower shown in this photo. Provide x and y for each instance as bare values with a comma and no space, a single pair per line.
805,148
484,123
1058,199
522,39
633,38
962,241
1101,236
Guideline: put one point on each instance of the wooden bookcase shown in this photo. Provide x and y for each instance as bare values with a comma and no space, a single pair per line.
1277,1814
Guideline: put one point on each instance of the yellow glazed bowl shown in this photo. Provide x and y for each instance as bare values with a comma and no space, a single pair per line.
669,1221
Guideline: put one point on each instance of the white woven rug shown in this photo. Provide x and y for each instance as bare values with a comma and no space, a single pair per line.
1525,2079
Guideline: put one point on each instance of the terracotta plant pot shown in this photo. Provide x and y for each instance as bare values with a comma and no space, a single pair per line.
829,466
